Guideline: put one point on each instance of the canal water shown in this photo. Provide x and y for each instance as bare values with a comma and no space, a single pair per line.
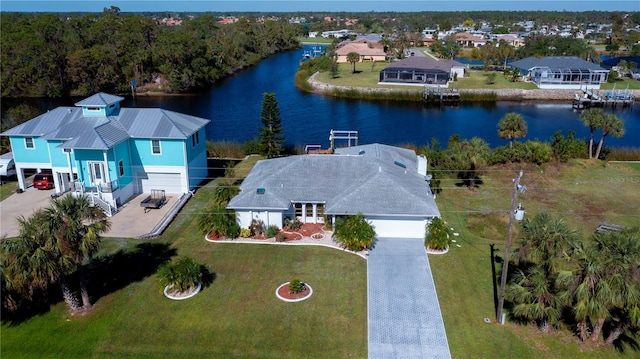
233,106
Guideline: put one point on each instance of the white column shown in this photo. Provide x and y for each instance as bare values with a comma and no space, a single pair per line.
315,213
304,213
107,176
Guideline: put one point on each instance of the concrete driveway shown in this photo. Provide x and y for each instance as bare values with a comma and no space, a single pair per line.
404,313
129,222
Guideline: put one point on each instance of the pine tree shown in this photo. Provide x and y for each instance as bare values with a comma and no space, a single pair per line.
271,137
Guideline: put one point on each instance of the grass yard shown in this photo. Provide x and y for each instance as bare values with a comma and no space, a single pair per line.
584,193
7,189
237,316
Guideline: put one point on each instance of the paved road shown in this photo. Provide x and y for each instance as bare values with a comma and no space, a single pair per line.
404,313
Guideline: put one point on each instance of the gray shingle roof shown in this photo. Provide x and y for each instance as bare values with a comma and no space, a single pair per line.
557,62
423,63
347,182
95,132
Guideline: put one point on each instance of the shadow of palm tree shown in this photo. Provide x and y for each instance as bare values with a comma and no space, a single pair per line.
111,273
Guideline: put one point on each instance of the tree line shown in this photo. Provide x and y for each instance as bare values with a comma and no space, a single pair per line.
53,55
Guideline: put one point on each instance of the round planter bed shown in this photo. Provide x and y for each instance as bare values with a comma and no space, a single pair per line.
283,293
175,295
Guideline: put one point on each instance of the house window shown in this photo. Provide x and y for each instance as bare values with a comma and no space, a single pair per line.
155,147
28,143
195,139
121,168
93,108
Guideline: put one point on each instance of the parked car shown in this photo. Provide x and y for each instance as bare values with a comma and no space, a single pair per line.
43,180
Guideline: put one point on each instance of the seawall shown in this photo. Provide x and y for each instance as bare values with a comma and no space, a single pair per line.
503,94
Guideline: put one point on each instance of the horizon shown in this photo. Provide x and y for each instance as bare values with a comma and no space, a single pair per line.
355,6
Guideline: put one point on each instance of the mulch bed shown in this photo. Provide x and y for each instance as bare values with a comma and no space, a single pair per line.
284,293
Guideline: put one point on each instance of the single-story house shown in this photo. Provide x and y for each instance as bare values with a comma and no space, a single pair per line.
469,40
561,72
512,40
368,51
387,184
112,153
422,71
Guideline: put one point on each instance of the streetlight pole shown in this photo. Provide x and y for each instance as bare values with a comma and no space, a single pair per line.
507,249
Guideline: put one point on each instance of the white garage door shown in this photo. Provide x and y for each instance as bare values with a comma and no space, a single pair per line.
398,228
170,182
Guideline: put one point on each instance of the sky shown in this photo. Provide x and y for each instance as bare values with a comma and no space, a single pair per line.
316,5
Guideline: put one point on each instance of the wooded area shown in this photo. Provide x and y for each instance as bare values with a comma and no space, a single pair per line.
53,55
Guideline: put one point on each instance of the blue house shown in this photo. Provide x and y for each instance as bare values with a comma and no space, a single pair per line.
111,153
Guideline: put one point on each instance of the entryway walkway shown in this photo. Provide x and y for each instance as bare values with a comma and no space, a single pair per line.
404,313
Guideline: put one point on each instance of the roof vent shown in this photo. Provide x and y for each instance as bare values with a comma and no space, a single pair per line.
361,152
400,164
260,191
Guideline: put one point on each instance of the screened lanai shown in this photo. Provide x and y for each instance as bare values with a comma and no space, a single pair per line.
421,70
561,72
568,76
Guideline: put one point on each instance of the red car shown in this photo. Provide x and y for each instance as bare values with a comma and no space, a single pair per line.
43,180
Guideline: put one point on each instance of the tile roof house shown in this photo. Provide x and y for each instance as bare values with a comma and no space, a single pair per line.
561,72
368,50
387,184
110,152
421,70
469,40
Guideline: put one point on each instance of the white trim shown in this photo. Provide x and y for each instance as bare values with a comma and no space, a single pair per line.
33,143
159,148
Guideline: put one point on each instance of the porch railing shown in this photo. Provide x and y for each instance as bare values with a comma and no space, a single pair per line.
95,197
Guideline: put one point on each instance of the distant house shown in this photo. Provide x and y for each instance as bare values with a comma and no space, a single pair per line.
512,40
468,40
387,184
112,153
561,72
368,50
422,71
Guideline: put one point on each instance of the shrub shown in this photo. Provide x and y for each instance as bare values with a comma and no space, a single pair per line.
296,286
354,232
224,149
256,227
293,224
281,237
233,231
565,148
438,235
272,231
182,274
245,233
217,220
251,147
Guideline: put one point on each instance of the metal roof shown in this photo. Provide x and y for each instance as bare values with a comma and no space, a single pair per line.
570,62
347,182
98,132
100,99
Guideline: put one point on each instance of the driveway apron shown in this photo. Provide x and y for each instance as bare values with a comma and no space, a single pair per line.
404,313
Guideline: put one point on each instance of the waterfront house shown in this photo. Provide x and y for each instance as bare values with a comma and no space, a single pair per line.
112,153
368,50
421,70
561,72
469,40
387,184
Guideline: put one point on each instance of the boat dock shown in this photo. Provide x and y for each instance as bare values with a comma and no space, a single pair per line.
438,96
613,99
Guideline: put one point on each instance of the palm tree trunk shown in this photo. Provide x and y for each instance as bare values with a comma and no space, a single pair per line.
582,330
599,146
84,291
591,144
67,294
597,329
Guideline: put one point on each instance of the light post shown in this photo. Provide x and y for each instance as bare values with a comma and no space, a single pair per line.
507,247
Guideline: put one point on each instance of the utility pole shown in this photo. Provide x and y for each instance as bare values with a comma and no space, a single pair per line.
507,248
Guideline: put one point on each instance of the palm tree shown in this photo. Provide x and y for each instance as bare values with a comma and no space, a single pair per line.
512,126
611,125
533,294
353,57
76,227
33,260
354,233
468,158
592,117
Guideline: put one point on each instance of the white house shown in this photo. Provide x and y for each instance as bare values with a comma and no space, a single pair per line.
387,184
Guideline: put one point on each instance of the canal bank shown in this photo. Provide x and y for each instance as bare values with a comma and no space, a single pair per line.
502,94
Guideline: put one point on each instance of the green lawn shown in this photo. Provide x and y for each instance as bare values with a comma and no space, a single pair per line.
7,189
237,316
583,193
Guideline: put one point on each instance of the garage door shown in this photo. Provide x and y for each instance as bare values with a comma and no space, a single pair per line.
170,182
398,228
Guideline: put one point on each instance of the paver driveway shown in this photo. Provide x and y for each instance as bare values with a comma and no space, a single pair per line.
404,314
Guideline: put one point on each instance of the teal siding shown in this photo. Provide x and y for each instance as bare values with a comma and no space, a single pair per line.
39,154
197,157
121,153
172,153
58,157
81,158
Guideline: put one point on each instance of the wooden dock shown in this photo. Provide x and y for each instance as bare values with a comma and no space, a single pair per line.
613,99
438,96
